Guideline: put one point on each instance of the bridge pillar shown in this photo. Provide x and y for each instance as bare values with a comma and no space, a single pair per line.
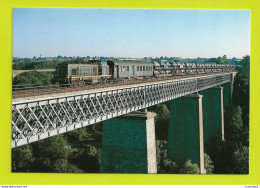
128,144
227,94
228,91
213,113
185,135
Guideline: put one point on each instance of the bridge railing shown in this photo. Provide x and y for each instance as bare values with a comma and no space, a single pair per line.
41,118
36,89
204,83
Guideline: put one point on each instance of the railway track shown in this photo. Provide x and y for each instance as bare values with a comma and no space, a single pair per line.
45,91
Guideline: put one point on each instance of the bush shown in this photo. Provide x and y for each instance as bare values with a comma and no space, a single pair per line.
32,77
190,168
208,164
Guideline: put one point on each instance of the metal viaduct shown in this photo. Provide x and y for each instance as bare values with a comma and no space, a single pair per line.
128,143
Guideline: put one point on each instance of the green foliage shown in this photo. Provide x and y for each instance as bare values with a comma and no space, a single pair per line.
161,153
161,120
73,152
208,164
222,60
22,158
222,152
236,132
47,64
86,136
241,160
241,89
232,155
63,166
31,65
163,113
78,61
32,77
169,167
164,165
92,152
245,65
241,98
190,168
87,159
48,151
78,137
219,153
53,148
235,119
86,143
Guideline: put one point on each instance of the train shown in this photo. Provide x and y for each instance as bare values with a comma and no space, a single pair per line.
102,71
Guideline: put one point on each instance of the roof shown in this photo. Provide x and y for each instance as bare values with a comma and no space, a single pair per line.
133,63
79,65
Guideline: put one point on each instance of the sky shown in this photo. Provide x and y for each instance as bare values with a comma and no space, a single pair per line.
130,32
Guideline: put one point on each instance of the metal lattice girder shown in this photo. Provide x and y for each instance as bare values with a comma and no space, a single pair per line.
41,118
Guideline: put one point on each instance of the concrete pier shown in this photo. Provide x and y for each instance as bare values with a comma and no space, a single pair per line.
227,94
128,144
213,113
228,91
185,135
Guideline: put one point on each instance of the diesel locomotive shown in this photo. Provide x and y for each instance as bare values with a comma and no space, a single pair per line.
102,71
92,72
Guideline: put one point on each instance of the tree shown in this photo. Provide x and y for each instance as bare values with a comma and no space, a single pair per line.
169,167
246,65
48,155
48,151
76,151
86,144
78,138
219,152
227,155
22,159
190,168
32,65
161,153
208,164
88,158
63,166
241,88
222,60
32,77
164,165
161,120
79,61
234,126
241,160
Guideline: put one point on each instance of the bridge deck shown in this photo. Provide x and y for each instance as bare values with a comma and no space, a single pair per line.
43,116
104,89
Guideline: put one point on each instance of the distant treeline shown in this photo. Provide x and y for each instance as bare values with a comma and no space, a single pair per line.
48,64
32,65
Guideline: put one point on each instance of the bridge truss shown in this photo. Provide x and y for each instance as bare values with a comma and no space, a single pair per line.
42,118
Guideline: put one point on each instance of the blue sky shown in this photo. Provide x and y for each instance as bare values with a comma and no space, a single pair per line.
130,32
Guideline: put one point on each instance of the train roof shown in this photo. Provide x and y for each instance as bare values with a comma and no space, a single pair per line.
78,65
133,63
